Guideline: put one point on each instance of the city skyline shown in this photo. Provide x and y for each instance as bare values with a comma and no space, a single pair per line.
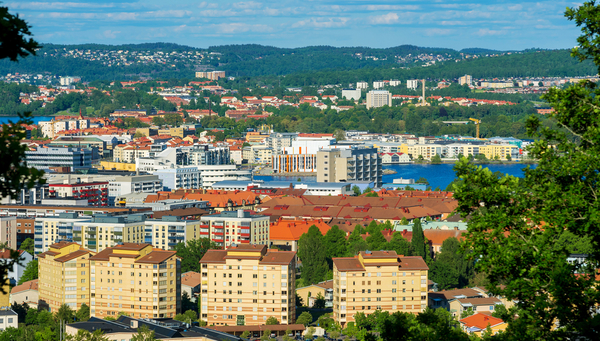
494,24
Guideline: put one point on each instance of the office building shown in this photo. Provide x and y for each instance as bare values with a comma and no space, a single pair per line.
247,284
136,279
94,193
45,157
378,280
278,141
235,227
64,276
378,98
349,163
209,155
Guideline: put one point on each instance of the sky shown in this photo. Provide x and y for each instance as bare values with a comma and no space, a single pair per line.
457,24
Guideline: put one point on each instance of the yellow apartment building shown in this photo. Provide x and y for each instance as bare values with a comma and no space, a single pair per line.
64,276
378,280
501,150
136,279
247,284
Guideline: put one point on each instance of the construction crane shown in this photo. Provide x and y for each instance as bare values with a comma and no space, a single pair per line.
477,123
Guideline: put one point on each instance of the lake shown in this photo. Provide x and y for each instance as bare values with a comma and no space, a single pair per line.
35,119
440,175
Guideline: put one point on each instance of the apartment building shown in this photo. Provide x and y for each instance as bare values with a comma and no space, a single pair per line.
103,231
94,192
412,84
349,163
351,94
235,227
212,75
137,279
209,155
378,280
227,295
169,231
466,79
8,231
64,276
362,85
52,229
378,98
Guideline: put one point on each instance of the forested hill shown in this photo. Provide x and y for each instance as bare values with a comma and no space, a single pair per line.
301,66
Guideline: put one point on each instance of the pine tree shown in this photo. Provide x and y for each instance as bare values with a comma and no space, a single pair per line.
399,244
335,242
355,242
418,240
376,241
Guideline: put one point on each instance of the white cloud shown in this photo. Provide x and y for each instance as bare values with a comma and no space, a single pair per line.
168,14
517,7
230,28
487,32
438,32
392,7
247,5
385,19
319,23
110,34
205,4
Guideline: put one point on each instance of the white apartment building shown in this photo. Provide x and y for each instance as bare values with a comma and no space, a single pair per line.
349,163
395,82
167,232
412,84
235,227
378,84
378,98
362,85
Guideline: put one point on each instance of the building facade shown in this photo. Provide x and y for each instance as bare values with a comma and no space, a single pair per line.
45,157
136,279
247,284
64,276
378,280
235,227
345,164
378,98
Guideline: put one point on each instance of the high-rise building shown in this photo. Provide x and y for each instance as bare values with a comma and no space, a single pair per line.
349,163
378,280
64,276
378,98
137,279
212,75
235,227
466,79
247,284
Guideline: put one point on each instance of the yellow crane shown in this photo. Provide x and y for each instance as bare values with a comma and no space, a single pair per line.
477,123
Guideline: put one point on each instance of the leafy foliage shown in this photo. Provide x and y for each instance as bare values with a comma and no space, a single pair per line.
450,268
30,273
305,318
192,252
313,254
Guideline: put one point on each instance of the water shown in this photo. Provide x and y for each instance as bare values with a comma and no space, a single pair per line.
440,175
35,119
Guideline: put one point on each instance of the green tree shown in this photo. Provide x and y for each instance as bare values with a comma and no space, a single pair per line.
376,240
30,273
13,41
516,224
83,313
186,303
319,301
245,334
403,221
266,335
310,332
305,318
272,320
450,268
192,252
144,334
466,313
356,190
399,244
313,254
335,242
299,302
65,313
356,243
418,240
436,159
28,245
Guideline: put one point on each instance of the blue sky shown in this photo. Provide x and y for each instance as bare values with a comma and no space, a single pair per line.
457,24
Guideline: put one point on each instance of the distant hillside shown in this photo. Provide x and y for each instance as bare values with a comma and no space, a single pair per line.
310,65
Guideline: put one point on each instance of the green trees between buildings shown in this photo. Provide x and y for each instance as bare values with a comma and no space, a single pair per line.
192,252
305,318
272,320
30,273
450,268
518,226
313,253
